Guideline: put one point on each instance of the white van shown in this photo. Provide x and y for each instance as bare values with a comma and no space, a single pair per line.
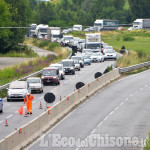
77,28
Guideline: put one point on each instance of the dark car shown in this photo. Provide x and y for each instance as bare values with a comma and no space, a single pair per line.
50,75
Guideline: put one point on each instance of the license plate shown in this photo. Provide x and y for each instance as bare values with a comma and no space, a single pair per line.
48,81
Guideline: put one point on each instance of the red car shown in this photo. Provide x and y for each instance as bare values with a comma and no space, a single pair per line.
50,75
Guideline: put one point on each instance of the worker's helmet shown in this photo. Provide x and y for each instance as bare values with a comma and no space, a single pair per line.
28,93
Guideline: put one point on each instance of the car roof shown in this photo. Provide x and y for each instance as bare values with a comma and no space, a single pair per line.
67,60
20,84
56,65
50,68
33,78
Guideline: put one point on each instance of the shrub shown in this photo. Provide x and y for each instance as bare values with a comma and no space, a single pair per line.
52,46
43,43
128,38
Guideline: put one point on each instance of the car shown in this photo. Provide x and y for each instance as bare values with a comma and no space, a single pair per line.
17,90
87,59
97,57
110,54
61,70
1,105
66,39
70,30
69,66
121,28
80,58
86,30
87,51
65,31
50,75
77,65
35,84
107,48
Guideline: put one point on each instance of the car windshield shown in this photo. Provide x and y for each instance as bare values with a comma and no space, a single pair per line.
86,57
108,47
55,36
85,51
109,51
49,72
96,54
17,86
43,30
68,38
93,46
33,80
78,58
67,63
76,61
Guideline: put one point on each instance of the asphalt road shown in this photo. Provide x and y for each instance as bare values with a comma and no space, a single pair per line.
66,87
11,61
116,117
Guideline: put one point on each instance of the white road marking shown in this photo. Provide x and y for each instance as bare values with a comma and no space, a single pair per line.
1,121
9,116
126,99
136,92
131,95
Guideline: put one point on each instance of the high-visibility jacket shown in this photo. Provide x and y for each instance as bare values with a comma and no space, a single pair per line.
28,98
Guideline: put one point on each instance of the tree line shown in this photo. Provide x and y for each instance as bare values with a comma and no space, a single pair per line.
64,13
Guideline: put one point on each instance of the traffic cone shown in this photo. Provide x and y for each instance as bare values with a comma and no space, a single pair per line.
68,98
25,115
6,123
20,130
60,98
49,109
20,110
40,106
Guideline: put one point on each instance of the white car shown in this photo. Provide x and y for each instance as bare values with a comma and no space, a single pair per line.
35,84
97,57
17,90
77,65
110,54
80,58
61,70
107,48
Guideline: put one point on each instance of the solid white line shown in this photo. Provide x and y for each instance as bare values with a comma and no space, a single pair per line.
1,121
41,97
131,95
9,116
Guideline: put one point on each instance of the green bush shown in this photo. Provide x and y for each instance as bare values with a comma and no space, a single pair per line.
52,46
141,53
43,43
128,38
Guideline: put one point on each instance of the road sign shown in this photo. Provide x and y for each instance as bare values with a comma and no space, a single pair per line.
49,97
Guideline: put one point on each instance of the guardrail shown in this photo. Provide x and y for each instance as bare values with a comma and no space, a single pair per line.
134,67
31,75
36,127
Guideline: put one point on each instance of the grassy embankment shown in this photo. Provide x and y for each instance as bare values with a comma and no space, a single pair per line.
137,42
18,71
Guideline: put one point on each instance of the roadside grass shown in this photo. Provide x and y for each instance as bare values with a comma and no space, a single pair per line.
147,147
26,51
18,71
47,45
137,42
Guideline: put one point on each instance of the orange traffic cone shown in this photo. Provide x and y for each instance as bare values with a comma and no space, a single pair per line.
6,123
20,130
25,115
40,106
20,110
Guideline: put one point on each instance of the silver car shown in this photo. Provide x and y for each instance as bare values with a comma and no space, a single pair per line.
61,70
35,84
17,90
77,65
1,105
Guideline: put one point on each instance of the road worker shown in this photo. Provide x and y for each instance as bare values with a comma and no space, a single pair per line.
28,100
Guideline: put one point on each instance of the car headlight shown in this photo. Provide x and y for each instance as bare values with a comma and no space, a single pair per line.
54,77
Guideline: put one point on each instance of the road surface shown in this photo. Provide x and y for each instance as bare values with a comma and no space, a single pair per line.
119,114
65,88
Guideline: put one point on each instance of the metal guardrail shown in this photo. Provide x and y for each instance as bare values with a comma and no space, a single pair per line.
134,67
31,75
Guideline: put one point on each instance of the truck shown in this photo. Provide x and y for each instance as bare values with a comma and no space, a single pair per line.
53,33
93,41
31,30
77,28
105,24
41,31
141,24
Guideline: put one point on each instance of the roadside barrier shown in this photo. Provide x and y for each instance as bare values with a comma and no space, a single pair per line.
32,130
134,67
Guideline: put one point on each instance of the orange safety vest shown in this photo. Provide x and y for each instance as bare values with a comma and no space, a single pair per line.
28,98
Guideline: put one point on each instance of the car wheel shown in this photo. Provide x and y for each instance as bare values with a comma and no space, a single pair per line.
8,100
73,72
79,69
